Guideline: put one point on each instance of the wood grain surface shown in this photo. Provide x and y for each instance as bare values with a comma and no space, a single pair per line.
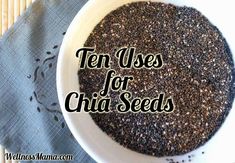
9,12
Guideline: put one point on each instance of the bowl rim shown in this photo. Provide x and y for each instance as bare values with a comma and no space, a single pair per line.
59,79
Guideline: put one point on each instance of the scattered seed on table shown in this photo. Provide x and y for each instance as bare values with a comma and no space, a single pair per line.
56,46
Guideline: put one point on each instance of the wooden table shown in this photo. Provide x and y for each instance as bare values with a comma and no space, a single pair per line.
10,10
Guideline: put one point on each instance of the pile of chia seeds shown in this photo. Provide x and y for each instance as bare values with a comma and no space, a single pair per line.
198,73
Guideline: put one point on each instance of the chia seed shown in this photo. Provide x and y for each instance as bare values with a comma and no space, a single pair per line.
198,73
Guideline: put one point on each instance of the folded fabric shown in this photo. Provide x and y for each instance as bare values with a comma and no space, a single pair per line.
30,116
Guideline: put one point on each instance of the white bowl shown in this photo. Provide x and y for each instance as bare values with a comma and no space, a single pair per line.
220,149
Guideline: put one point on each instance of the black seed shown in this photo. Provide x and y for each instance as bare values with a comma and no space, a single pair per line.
35,74
52,110
56,46
37,60
50,65
31,98
48,52
36,97
42,74
56,118
62,125
48,59
29,76
54,104
38,109
64,33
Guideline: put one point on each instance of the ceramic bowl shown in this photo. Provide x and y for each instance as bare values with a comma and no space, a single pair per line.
219,149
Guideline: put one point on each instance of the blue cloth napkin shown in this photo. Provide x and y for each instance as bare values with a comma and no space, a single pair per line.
30,116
